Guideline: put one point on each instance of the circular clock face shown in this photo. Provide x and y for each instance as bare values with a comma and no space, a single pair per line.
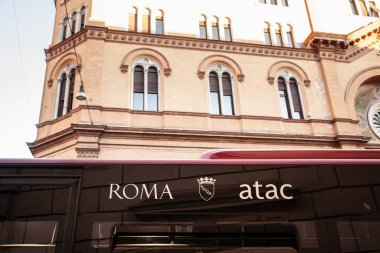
374,118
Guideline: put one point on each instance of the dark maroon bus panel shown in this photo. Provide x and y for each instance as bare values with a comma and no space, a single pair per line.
227,202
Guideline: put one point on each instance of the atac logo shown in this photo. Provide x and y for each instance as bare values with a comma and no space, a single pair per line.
206,187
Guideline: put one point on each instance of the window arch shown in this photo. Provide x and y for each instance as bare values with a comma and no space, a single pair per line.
279,41
290,95
145,81
267,34
203,27
160,23
66,87
290,36
221,90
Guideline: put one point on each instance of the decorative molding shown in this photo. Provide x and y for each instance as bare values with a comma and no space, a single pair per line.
124,68
87,153
167,72
50,83
240,77
271,80
201,74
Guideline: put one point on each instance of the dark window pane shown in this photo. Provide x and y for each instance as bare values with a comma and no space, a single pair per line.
152,80
159,26
214,82
64,32
82,18
138,79
73,23
226,82
138,101
215,32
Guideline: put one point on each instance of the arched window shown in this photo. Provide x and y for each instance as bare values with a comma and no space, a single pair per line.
221,90
203,27
61,96
146,21
73,22
289,36
160,23
267,34
145,85
82,17
373,10
290,97
278,35
65,28
363,6
66,87
227,30
132,26
71,91
354,9
215,29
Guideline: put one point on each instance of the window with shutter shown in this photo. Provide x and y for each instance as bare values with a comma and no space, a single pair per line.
73,22
159,25
354,9
145,85
363,6
215,31
82,17
132,27
138,88
221,90
214,93
374,11
71,91
227,94
297,105
64,30
61,96
146,24
284,99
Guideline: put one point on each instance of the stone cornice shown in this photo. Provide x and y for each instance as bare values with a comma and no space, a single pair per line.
323,45
191,114
77,130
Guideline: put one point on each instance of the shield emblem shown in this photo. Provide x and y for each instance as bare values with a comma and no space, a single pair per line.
206,188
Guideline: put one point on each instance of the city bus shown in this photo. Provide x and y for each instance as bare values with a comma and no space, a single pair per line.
227,201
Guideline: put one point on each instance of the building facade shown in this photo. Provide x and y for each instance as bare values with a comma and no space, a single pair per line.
170,80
